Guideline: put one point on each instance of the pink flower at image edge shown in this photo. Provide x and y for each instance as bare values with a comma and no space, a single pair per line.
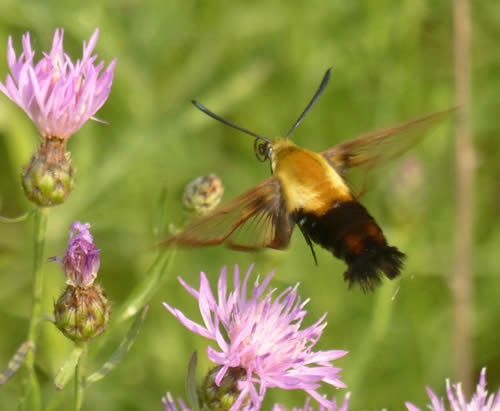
58,95
480,401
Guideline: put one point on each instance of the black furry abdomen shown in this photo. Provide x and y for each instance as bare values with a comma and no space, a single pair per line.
352,234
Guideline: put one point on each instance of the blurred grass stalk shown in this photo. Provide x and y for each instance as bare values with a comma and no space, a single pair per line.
462,286
369,346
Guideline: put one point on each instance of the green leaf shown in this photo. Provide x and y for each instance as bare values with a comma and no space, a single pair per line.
122,349
16,361
17,219
191,392
68,369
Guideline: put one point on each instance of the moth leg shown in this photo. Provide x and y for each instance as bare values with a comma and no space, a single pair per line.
309,242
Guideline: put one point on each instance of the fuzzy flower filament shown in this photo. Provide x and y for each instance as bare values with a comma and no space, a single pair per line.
262,335
81,261
170,405
307,406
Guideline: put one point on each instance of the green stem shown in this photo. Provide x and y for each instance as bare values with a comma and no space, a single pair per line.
32,387
379,326
80,378
145,290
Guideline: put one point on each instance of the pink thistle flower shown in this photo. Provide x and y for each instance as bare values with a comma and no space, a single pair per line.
169,404
81,261
262,337
58,95
480,401
308,407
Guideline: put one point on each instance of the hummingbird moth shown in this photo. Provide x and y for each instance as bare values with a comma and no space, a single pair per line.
308,189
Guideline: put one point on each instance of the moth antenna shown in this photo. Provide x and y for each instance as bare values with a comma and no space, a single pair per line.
315,98
201,107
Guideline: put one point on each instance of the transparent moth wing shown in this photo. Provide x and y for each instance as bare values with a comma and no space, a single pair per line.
380,146
256,219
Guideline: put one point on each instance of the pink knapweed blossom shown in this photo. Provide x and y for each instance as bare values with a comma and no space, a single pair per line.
169,404
81,261
262,336
480,401
58,95
307,406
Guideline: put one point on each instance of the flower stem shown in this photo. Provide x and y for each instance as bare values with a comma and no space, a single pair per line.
145,290
380,324
32,387
79,377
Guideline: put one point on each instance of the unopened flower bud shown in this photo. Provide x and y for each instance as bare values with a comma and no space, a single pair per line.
221,397
82,313
203,194
48,178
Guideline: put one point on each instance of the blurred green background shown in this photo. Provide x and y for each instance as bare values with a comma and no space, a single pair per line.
258,64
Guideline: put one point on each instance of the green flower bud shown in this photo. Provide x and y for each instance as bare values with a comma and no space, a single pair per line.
82,313
221,397
48,178
203,194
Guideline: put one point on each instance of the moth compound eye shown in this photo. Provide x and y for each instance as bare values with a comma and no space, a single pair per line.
261,150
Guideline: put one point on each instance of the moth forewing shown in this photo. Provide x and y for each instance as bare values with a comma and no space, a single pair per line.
254,220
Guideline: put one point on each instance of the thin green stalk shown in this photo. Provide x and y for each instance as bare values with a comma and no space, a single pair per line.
80,378
379,326
145,290
32,387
